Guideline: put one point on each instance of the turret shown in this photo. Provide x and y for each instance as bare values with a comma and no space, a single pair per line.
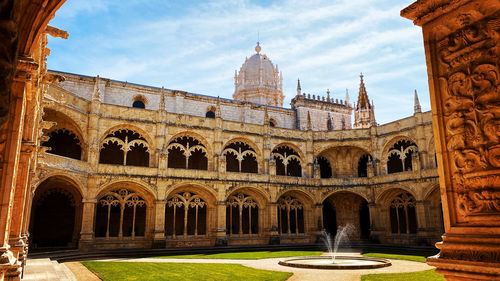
364,116
416,106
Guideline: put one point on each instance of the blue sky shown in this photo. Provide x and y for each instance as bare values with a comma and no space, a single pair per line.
196,46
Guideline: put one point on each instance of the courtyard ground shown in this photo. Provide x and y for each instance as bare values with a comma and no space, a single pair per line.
398,266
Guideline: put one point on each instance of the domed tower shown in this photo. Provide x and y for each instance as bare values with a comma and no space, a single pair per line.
259,81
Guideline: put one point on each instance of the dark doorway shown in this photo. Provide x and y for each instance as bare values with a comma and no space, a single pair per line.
364,220
329,218
56,215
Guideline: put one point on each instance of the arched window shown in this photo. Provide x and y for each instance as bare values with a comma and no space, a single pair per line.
64,143
290,215
210,114
363,165
287,162
240,157
124,147
242,215
400,156
187,153
185,214
402,214
120,213
325,169
138,104
272,122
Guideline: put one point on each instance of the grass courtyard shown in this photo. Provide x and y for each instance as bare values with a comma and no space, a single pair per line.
145,271
222,271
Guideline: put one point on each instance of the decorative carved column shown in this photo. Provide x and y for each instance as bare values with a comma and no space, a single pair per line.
87,233
221,239
274,230
159,224
462,47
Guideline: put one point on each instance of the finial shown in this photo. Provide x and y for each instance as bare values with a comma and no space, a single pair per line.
361,76
258,48
416,107
299,89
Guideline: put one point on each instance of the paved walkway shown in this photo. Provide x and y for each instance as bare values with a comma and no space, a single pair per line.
300,273
47,270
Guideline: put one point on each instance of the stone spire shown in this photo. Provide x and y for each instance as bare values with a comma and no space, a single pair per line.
363,102
416,107
364,115
346,96
299,89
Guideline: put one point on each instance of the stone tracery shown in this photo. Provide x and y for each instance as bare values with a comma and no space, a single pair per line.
288,162
125,147
242,214
114,213
184,222
290,215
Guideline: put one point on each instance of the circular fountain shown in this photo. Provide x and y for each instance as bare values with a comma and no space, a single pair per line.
333,261
341,262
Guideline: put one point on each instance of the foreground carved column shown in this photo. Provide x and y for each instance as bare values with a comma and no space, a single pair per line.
462,47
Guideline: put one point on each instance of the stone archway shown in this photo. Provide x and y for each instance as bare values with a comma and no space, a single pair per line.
56,214
347,209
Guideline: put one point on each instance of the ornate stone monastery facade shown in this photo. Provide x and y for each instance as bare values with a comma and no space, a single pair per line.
126,165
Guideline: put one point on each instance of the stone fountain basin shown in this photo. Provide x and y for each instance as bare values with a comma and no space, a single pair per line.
341,262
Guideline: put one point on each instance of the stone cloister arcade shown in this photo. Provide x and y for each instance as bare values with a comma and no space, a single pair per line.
133,186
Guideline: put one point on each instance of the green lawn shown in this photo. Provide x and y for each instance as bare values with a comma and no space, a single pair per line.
129,271
426,275
247,255
395,256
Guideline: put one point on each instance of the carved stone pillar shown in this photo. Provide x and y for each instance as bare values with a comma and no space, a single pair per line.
462,47
159,224
274,231
87,233
415,161
317,170
369,168
272,167
221,239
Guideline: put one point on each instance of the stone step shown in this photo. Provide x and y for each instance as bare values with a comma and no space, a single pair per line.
46,270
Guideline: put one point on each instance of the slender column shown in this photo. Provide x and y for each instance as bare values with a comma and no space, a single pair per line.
288,219
462,49
196,221
133,224
173,224
186,209
240,209
230,220
120,231
280,221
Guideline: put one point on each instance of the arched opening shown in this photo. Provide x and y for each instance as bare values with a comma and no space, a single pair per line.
138,104
287,162
400,156
64,143
325,170
272,122
187,153
210,114
402,214
124,147
242,215
185,214
363,165
240,157
120,213
351,211
290,215
345,161
56,214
